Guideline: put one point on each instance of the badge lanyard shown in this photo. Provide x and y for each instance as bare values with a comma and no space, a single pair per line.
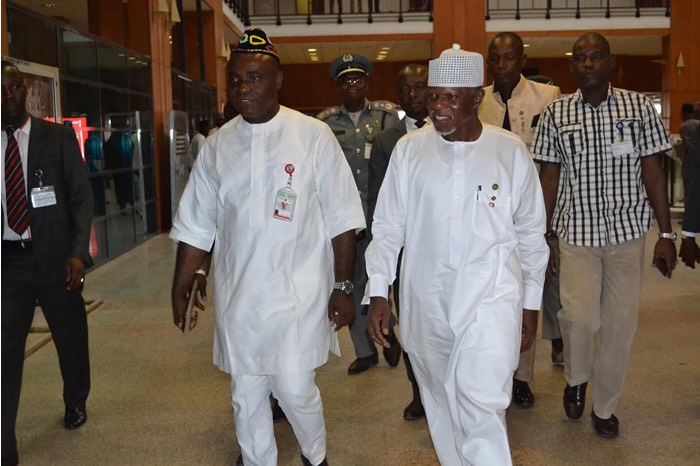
286,198
43,196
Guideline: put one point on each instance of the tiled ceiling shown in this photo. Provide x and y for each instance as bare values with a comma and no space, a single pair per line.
408,50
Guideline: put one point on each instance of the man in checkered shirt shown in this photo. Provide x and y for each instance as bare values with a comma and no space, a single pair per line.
600,150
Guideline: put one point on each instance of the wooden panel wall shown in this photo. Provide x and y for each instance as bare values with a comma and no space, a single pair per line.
310,87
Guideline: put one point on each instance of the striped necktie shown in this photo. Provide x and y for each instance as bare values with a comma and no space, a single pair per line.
15,190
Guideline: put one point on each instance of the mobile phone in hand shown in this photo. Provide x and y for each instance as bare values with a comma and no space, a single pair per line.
660,264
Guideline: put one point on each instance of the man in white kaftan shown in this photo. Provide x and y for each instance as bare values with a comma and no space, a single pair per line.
464,201
276,258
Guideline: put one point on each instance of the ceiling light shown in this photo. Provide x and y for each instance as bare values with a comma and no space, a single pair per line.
310,50
132,58
385,48
526,45
381,57
568,54
49,5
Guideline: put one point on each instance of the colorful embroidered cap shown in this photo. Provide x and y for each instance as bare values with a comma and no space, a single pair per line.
255,40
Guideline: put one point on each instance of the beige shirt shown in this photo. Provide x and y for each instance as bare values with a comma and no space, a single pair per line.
527,102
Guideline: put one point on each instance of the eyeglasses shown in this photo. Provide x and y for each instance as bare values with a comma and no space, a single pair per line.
352,81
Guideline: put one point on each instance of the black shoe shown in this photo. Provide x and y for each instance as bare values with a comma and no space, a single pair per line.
414,410
306,462
522,395
392,354
606,428
277,412
558,352
363,364
10,459
239,460
575,400
74,418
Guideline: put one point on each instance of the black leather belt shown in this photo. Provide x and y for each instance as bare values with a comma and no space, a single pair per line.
25,246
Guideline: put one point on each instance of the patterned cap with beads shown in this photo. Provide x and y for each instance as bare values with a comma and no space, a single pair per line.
255,40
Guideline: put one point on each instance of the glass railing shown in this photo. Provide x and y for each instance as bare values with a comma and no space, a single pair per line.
310,11
522,9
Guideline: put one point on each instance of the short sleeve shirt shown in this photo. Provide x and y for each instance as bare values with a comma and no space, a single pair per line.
600,200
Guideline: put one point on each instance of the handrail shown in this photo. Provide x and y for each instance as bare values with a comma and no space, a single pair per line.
496,8
243,8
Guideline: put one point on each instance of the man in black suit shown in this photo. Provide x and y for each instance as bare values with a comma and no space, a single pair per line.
690,132
411,86
47,214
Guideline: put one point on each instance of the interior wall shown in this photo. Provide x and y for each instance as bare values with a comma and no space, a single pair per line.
310,88
635,73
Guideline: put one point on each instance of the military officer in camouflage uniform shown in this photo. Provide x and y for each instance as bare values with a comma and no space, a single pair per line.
356,123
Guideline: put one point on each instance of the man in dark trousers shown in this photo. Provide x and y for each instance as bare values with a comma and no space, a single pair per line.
356,123
411,86
47,212
690,132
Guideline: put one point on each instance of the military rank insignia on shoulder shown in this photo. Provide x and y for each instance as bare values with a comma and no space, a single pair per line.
384,105
328,112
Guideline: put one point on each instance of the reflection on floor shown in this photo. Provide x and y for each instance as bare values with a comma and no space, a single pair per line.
158,400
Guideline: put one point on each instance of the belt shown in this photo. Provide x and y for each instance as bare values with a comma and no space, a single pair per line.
25,246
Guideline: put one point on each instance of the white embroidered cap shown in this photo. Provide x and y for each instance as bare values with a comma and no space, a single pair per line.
456,68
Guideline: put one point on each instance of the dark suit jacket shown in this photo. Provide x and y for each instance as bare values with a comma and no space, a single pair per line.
382,148
690,132
62,230
691,217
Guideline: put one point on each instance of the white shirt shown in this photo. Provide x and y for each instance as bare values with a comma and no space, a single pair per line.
471,218
411,123
273,278
196,144
22,137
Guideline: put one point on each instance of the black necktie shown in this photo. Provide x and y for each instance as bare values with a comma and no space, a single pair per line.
420,123
15,191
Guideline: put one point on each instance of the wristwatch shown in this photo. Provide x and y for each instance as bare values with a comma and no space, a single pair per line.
344,286
672,236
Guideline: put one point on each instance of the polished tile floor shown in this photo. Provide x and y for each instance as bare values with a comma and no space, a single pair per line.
158,400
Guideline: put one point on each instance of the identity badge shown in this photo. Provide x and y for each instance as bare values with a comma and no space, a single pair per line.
43,196
286,198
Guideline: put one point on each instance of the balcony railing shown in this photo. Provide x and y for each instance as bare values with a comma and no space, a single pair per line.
296,11
290,11
521,9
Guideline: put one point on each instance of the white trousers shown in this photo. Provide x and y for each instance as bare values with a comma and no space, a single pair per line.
465,385
300,399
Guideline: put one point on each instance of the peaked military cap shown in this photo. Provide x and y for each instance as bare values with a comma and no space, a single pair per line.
350,63
255,40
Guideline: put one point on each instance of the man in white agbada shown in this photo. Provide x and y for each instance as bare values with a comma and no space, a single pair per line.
464,200
273,189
